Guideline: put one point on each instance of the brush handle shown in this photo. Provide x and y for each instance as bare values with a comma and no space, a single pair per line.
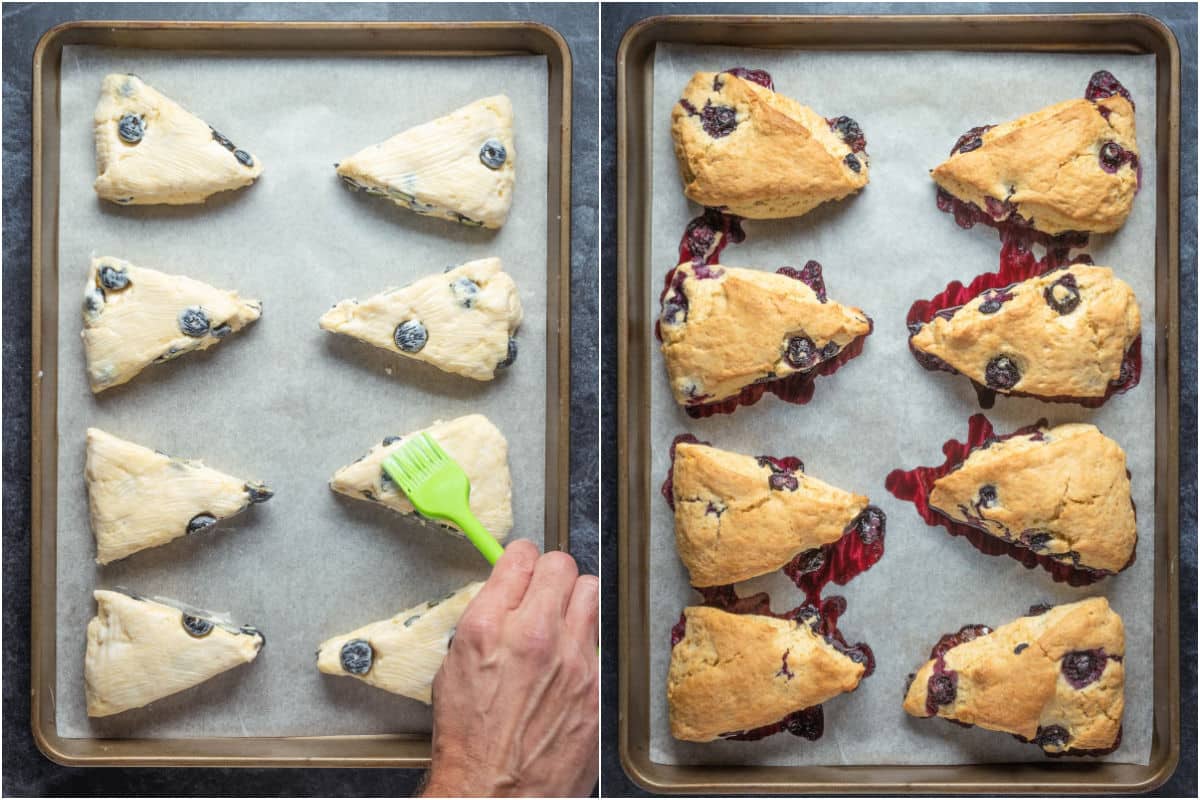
484,542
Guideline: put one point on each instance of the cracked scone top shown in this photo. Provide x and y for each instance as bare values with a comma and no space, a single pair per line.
752,152
1062,491
461,321
134,317
473,442
139,651
724,328
402,654
1070,167
737,672
1063,334
737,516
1055,679
150,150
459,167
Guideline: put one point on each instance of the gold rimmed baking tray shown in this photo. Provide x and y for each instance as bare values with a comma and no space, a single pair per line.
311,40
1067,33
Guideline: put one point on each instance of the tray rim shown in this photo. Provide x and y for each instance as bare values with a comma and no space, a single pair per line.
376,750
914,779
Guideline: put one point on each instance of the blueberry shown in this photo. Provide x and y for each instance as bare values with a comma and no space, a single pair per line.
971,140
801,352
258,492
1063,294
1082,667
987,496
1103,85
200,522
492,154
511,356
131,128
759,76
1002,373
992,302
193,321
250,630
244,158
870,524
780,481
1052,736
465,290
357,656
810,561
850,132
221,331
197,626
1039,609
943,689
718,121
391,440
113,278
1020,648
829,351
408,622
411,336
852,162
1037,540
93,302
221,140
807,724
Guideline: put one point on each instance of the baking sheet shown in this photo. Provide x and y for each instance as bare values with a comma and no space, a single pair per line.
881,250
283,401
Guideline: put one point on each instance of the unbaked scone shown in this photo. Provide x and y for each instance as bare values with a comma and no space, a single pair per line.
460,321
735,672
134,317
749,151
1070,167
472,441
725,328
1060,335
402,654
140,498
459,167
149,149
738,516
139,651
1054,678
1061,491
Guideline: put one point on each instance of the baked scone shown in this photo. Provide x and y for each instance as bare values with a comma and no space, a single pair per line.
149,149
1061,491
134,317
472,441
402,654
460,321
755,153
1054,678
1060,335
732,673
738,516
140,498
139,651
459,167
725,328
1070,167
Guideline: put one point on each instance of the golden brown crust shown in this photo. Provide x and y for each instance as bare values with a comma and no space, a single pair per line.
781,160
737,326
730,524
1047,165
727,673
1013,678
1066,486
1077,354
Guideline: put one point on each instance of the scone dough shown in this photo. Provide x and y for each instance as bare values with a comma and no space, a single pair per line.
150,150
139,651
141,498
737,672
134,317
734,521
1027,678
402,654
460,321
478,447
459,167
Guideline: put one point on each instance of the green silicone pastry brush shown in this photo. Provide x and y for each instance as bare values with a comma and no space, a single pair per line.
438,488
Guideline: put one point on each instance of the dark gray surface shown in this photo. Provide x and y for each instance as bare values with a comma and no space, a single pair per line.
615,20
26,771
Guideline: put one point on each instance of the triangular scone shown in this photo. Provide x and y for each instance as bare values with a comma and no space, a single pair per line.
149,149
134,317
139,651
458,167
472,441
1070,167
737,516
1060,491
1055,678
724,328
141,498
461,321
402,654
752,152
1063,334
736,672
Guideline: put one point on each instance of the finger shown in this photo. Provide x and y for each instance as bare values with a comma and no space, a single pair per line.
510,577
583,611
550,588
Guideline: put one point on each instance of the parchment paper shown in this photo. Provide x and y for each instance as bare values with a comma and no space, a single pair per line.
882,250
284,401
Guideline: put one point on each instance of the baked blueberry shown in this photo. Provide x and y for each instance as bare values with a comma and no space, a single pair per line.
943,689
718,121
1083,667
1002,373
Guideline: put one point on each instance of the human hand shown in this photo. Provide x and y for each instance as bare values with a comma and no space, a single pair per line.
516,702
